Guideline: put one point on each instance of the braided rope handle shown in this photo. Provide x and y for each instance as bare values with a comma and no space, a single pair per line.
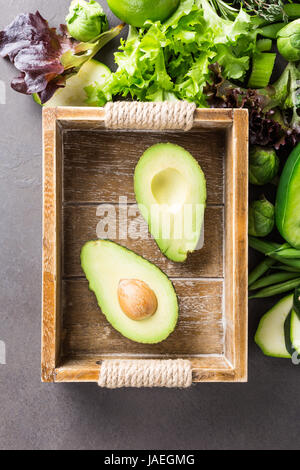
155,116
116,373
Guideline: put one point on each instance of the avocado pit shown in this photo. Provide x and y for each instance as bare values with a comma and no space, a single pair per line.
136,299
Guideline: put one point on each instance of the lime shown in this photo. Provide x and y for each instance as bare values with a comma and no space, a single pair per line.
136,12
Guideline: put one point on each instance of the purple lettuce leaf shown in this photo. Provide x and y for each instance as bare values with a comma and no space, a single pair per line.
35,50
268,125
44,56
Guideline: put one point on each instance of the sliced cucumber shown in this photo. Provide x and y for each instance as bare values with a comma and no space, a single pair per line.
295,331
73,94
270,335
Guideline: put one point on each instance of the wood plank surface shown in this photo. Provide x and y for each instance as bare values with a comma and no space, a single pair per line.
99,165
52,230
80,226
240,156
199,330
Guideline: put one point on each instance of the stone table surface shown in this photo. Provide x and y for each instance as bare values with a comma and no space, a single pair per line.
262,414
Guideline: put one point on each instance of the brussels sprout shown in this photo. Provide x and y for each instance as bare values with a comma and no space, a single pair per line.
263,165
261,218
86,21
288,41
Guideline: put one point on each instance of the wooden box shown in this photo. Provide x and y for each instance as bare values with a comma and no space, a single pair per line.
85,165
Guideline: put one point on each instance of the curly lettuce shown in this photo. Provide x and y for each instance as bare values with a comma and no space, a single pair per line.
171,60
274,111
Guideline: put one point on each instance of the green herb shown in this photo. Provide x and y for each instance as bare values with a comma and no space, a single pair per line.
171,60
269,10
224,9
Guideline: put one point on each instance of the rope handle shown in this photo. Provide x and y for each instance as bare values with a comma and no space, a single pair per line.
165,115
115,373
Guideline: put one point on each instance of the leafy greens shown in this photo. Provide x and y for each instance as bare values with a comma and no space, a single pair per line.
44,56
171,60
273,111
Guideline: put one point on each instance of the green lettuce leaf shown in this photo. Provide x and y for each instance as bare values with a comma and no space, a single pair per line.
171,60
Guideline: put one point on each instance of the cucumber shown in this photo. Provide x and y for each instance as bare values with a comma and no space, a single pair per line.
295,331
270,335
287,207
73,93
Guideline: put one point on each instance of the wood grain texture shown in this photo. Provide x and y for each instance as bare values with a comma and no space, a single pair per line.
86,369
80,226
199,330
99,165
240,156
51,320
236,243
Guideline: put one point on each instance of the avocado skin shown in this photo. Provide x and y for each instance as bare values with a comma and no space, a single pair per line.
167,290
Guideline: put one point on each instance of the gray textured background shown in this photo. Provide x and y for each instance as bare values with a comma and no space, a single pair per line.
263,414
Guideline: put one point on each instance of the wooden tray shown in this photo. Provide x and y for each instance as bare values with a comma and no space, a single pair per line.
85,165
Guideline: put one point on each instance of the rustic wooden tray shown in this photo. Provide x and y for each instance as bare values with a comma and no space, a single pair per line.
85,165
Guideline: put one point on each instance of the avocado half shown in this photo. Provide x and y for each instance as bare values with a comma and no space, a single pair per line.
170,189
105,264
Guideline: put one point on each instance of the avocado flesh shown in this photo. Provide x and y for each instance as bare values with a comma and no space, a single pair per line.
105,263
170,189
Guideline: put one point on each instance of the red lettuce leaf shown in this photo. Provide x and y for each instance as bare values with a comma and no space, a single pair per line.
35,50
45,57
267,124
